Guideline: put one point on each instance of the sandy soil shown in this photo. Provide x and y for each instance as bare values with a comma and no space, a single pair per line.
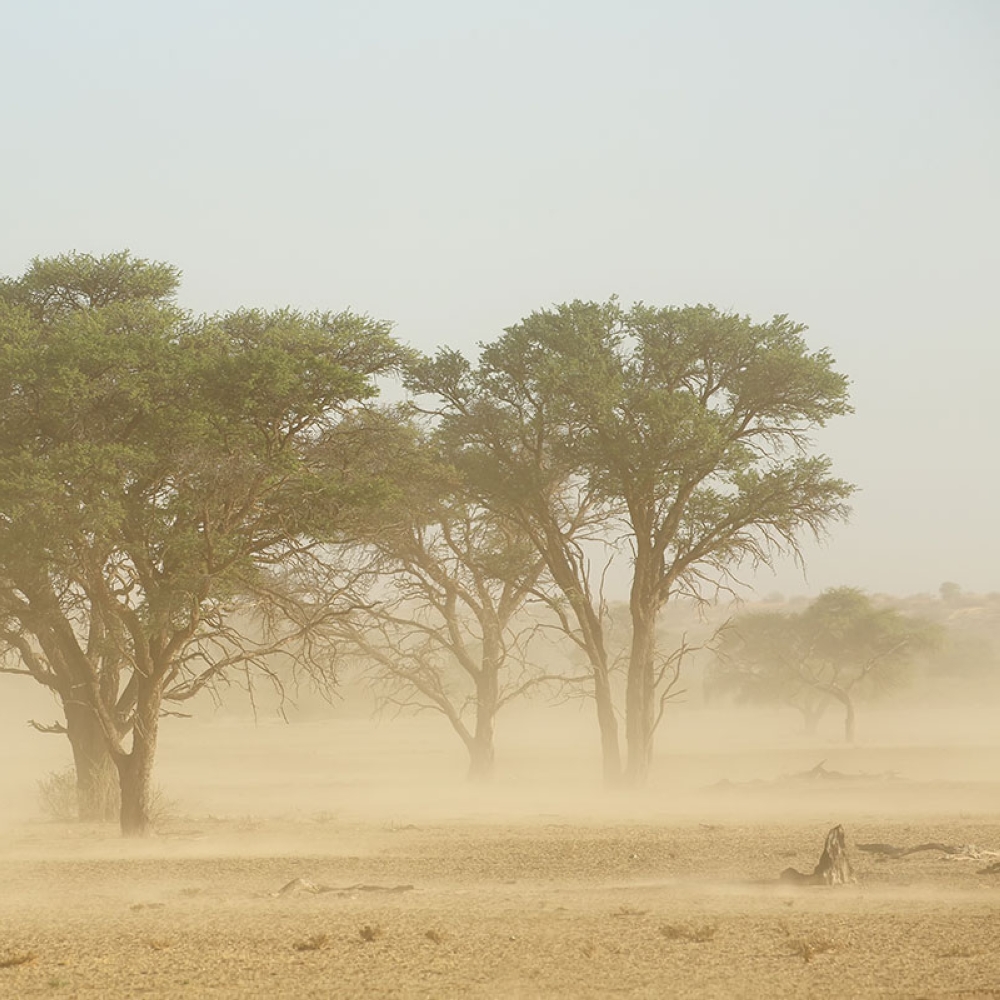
544,886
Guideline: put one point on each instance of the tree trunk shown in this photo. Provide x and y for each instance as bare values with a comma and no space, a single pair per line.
850,721
97,790
607,722
811,714
135,769
481,757
481,750
640,694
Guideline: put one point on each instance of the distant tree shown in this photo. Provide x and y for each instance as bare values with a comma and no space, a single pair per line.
759,660
157,471
841,646
685,426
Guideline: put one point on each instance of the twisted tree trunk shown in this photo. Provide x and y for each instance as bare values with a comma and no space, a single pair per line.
97,788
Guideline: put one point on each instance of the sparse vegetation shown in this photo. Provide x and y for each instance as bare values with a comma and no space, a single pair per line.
12,959
696,933
58,799
312,943
807,948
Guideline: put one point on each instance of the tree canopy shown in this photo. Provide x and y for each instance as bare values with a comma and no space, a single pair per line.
687,427
842,646
155,467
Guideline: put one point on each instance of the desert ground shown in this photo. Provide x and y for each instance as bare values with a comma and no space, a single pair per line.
346,857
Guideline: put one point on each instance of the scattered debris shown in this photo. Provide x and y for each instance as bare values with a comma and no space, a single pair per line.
313,943
298,885
833,867
819,773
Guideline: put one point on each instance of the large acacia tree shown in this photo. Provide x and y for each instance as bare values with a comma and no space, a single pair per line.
156,470
688,427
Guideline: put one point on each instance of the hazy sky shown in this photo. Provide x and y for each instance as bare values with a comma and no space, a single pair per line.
453,165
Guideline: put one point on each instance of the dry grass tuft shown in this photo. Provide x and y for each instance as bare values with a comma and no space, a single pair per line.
808,948
312,943
698,933
15,958
958,951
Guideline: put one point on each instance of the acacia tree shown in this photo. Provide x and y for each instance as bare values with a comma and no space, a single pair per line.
154,467
849,645
443,627
688,426
497,427
758,660
37,520
839,648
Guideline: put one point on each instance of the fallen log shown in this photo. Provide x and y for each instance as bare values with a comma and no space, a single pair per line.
833,867
901,852
969,851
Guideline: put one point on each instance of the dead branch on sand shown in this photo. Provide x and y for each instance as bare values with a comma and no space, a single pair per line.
957,852
299,885
833,867
823,773
819,773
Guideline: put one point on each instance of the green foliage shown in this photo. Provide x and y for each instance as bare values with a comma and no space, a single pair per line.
686,429
154,464
841,643
57,286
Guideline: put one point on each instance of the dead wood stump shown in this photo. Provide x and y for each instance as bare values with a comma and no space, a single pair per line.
833,868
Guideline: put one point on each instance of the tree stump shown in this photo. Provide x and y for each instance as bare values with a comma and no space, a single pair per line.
833,867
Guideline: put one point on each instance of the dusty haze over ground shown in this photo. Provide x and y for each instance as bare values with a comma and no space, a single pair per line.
543,885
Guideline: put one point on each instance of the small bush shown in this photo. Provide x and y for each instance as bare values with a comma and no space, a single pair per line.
807,948
313,943
57,796
58,801
698,933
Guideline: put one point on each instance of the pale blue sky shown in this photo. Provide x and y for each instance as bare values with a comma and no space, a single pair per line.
452,166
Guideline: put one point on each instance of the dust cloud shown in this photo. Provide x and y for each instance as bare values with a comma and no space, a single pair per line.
402,878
